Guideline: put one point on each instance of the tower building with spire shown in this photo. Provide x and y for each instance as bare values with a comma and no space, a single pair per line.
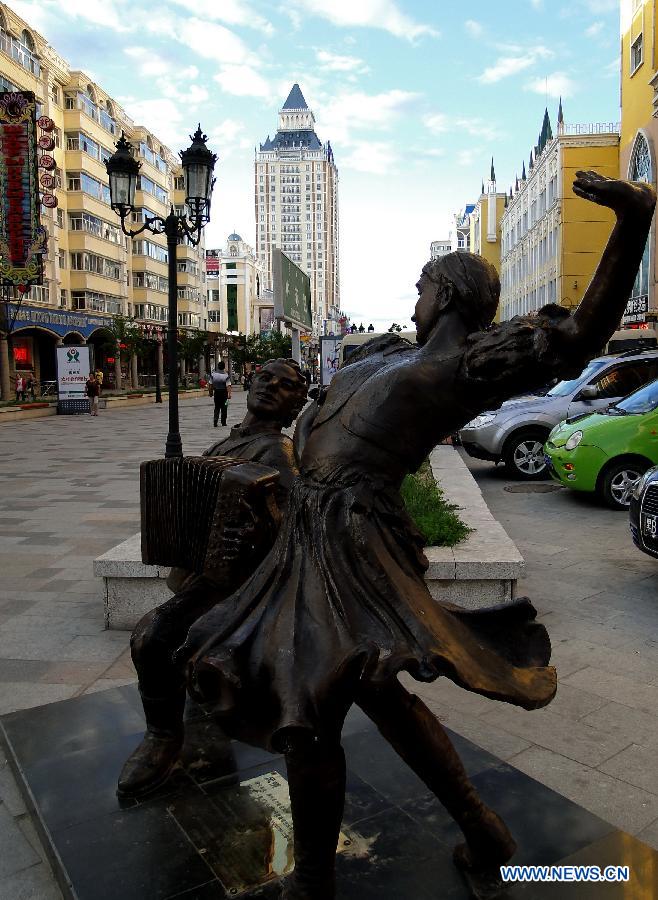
296,206
551,240
485,219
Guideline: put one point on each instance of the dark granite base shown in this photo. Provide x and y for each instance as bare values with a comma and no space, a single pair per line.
194,838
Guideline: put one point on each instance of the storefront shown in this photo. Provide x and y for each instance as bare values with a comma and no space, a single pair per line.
35,335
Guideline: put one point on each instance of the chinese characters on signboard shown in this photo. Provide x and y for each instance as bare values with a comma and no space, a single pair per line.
636,310
22,238
212,262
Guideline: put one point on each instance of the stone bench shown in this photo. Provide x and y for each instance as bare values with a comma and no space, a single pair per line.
480,571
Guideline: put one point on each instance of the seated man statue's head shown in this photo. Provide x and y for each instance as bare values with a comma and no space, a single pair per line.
461,283
277,393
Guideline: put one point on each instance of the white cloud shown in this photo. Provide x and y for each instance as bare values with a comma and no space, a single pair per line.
148,63
213,41
162,116
375,157
232,12
347,111
243,81
474,28
466,157
556,85
334,62
382,14
512,65
437,123
112,14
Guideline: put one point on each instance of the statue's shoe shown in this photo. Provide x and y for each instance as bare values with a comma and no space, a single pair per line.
489,845
150,765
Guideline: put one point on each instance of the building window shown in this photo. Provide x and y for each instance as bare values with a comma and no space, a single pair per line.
232,306
640,169
636,53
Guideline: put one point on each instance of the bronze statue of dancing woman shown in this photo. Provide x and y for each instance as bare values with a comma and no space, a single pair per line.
339,607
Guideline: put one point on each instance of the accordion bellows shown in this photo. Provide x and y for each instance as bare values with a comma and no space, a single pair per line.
207,514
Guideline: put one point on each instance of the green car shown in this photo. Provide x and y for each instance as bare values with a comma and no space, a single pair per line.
607,451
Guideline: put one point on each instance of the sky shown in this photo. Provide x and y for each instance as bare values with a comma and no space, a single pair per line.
415,96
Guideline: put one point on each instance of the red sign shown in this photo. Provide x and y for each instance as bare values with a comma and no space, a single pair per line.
47,181
212,266
46,142
22,238
49,200
45,123
46,162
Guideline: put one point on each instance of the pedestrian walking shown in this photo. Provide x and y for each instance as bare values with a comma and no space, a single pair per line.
221,390
28,391
20,389
99,380
93,390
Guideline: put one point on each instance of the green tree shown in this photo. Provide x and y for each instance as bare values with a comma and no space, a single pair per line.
191,344
257,349
128,336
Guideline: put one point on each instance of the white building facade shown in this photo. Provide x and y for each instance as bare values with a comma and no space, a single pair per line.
296,207
440,248
234,284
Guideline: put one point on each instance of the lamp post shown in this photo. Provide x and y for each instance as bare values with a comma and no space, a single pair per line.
198,163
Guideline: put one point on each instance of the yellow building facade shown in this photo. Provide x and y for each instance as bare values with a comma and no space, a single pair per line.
552,240
92,271
639,136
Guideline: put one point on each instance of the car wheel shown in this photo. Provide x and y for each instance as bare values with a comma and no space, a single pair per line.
524,455
618,483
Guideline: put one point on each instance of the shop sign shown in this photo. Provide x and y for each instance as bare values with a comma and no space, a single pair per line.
73,368
636,309
329,357
22,237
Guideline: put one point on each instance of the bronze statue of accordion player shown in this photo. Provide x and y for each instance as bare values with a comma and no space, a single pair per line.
213,518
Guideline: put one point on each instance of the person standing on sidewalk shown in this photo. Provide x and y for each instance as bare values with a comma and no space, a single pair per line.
93,389
221,390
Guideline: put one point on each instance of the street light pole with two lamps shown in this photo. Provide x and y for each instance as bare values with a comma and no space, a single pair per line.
198,163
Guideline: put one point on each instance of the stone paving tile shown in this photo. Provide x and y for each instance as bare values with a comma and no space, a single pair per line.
36,883
626,691
10,796
615,801
25,694
636,765
16,852
641,727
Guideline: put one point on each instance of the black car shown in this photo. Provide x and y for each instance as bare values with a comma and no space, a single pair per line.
643,512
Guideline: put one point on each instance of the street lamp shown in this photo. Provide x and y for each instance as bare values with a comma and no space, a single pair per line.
198,163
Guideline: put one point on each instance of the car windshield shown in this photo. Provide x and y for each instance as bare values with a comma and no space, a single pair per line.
563,388
644,400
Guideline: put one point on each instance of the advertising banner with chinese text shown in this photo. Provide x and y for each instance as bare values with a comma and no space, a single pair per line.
22,238
73,368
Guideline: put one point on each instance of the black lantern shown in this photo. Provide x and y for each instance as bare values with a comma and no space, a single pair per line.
198,163
122,168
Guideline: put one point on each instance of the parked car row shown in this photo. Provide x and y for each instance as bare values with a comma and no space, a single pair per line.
515,433
596,433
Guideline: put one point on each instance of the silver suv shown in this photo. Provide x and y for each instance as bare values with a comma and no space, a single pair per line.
516,432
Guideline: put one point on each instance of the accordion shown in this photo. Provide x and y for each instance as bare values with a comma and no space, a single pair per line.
215,516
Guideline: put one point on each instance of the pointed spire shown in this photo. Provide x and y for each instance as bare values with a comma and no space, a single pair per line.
523,175
560,114
531,164
493,171
516,184
482,189
510,193
295,99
